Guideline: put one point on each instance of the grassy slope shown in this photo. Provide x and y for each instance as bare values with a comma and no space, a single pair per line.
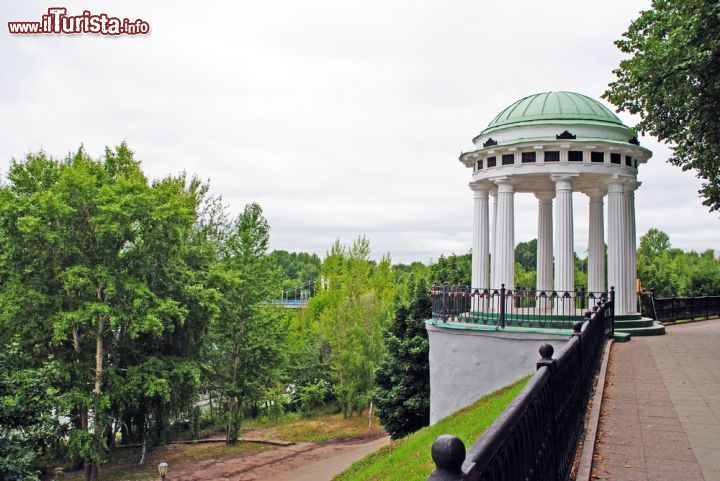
409,459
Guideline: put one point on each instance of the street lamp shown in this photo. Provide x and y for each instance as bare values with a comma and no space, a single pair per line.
162,469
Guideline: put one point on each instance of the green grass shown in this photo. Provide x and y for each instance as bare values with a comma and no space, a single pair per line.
408,459
317,428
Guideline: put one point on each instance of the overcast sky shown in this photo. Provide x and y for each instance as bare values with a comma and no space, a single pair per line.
340,118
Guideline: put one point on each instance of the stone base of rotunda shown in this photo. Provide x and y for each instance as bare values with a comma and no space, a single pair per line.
470,361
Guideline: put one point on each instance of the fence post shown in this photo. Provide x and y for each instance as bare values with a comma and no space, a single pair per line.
546,360
612,305
673,309
706,307
502,306
692,307
445,301
652,300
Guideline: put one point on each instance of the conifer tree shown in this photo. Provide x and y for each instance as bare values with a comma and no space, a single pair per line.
403,378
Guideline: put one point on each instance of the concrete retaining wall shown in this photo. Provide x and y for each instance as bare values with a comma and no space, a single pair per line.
468,363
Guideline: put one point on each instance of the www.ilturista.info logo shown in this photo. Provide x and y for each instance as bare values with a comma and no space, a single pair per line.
57,21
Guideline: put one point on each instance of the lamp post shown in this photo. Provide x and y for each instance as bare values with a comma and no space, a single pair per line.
162,469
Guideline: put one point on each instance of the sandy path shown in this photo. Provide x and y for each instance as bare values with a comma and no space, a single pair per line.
299,462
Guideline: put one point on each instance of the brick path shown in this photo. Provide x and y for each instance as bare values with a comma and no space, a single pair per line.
660,415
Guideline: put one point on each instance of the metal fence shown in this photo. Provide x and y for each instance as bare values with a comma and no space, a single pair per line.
537,436
671,309
512,307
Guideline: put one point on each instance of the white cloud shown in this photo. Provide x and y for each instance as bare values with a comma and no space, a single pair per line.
340,118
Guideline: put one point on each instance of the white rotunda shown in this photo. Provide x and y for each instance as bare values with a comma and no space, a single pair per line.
551,145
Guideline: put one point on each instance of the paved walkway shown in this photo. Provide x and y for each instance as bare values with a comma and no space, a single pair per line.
660,415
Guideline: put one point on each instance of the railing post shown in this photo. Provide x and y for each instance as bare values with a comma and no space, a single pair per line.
546,360
652,301
673,309
502,306
448,453
706,307
445,302
612,307
582,297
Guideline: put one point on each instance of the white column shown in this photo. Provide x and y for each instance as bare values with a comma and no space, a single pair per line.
505,235
481,238
545,242
596,242
617,251
493,244
630,244
564,240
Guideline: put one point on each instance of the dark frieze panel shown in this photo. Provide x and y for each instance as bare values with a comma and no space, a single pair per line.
528,157
552,156
634,141
490,142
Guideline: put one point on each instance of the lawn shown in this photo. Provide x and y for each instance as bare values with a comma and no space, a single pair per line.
316,428
408,459
322,426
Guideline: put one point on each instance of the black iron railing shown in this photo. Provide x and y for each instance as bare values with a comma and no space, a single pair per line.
672,309
517,307
537,436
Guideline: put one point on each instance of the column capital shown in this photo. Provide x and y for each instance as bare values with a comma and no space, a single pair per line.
615,183
631,186
595,195
563,181
544,197
480,189
615,187
504,183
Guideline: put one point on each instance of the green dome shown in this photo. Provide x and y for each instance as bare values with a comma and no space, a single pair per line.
552,106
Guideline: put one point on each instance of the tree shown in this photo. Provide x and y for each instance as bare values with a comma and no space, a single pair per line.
28,428
454,270
106,272
672,80
403,378
297,267
245,352
526,255
673,272
352,310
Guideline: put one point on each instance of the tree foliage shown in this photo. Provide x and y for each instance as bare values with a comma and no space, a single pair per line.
297,267
245,351
106,272
403,378
28,428
352,309
454,270
674,272
526,255
672,80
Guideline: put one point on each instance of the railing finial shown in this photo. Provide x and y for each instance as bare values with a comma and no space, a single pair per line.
448,453
546,352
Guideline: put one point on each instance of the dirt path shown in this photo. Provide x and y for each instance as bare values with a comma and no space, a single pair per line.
299,462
